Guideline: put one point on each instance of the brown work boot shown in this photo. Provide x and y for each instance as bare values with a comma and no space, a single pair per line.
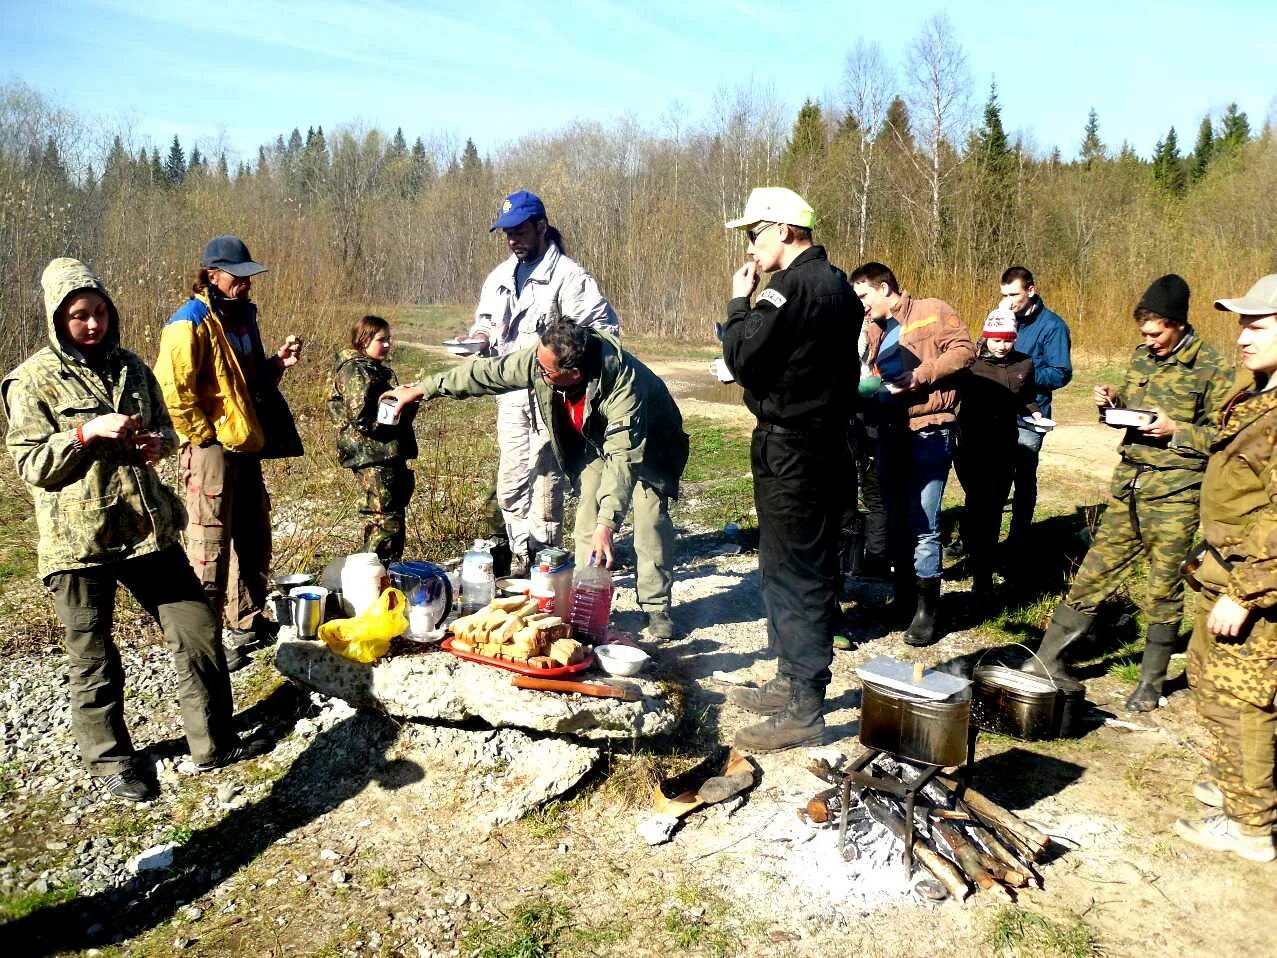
801,723
768,699
1220,833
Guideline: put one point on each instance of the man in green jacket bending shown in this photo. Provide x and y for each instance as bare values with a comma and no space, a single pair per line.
616,432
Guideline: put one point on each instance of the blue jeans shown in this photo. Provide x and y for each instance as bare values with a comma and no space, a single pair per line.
914,467
1025,498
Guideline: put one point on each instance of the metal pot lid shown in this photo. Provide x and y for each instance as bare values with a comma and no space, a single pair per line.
1014,680
897,675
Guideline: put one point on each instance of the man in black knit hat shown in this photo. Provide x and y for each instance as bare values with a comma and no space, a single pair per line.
1181,382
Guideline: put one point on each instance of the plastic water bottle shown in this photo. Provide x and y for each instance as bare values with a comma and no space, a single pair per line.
477,581
591,602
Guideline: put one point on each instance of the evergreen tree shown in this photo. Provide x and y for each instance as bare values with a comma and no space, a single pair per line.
806,146
295,143
398,145
314,162
848,126
990,144
175,165
157,168
116,168
1203,151
471,165
1168,168
896,123
1055,159
223,171
263,163
1234,130
1092,146
421,169
196,162
51,165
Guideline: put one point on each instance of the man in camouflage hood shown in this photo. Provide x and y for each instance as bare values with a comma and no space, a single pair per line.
87,422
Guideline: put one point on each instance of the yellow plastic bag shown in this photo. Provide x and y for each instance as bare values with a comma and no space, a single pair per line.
366,637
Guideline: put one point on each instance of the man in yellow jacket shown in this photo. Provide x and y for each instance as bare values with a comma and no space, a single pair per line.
222,392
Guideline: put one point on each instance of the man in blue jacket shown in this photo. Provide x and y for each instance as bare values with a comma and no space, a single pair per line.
1044,337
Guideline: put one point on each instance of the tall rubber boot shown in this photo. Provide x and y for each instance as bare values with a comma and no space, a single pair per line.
1067,626
801,723
923,630
904,593
1157,656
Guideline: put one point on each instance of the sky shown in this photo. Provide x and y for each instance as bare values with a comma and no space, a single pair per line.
241,72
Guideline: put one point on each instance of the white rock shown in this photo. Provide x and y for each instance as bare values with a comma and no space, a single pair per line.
155,858
338,876
328,855
656,830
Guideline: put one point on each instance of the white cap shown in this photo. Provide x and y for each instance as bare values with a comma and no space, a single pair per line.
1260,299
775,204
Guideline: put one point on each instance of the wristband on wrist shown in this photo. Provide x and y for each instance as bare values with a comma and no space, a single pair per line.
79,436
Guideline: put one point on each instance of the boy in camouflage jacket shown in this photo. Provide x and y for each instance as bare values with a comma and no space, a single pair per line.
377,452
1232,659
1155,487
86,423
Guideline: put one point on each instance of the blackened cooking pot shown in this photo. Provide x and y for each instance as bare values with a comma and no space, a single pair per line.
1022,705
921,730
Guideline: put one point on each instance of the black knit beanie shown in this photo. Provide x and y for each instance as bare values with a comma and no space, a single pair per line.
1168,297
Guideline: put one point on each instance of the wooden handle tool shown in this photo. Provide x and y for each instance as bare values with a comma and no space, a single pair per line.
595,689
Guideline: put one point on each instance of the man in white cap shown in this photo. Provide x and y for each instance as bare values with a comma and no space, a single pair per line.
1232,658
793,350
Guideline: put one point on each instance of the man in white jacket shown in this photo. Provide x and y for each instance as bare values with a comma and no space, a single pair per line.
536,286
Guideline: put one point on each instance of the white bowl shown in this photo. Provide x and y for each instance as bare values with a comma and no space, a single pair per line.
1121,416
719,368
620,659
464,347
509,586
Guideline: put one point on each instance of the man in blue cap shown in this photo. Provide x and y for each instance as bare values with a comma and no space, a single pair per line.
536,286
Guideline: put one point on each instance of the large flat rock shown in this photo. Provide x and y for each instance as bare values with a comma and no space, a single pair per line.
434,685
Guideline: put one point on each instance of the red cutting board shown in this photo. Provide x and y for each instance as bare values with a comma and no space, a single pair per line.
555,673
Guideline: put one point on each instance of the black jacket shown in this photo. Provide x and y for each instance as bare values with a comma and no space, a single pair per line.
794,350
994,393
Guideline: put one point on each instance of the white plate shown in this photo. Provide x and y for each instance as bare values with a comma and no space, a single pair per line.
1122,417
719,368
1037,425
463,347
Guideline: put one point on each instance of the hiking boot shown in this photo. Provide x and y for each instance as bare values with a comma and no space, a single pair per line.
956,549
1146,697
1067,626
923,629
128,785
243,750
1208,794
770,698
1219,833
799,724
236,658
660,626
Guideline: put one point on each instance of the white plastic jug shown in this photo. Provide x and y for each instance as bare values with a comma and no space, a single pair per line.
362,579
478,584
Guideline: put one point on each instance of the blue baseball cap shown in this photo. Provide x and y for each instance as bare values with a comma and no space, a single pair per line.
517,209
229,253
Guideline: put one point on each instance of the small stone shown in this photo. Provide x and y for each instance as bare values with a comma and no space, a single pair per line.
657,829
181,943
328,855
155,858
301,878
270,883
226,791
55,846
193,912
339,877
563,848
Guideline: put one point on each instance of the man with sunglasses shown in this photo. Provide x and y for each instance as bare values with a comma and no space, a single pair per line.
536,286
613,429
793,349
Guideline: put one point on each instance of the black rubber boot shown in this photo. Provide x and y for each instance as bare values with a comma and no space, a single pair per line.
923,630
770,698
1067,626
982,593
801,723
904,594
1157,656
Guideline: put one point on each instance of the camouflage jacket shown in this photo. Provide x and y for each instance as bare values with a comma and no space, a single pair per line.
1189,386
93,504
354,392
631,421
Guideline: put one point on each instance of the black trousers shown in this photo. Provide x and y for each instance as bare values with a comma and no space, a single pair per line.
799,489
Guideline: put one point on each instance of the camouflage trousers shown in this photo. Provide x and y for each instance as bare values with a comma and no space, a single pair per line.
1161,530
1245,754
387,490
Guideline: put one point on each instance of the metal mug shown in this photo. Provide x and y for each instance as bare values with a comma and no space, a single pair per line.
308,609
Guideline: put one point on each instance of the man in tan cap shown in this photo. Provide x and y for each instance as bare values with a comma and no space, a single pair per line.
1232,659
793,350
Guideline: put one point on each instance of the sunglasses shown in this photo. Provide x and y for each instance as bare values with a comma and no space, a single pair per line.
758,231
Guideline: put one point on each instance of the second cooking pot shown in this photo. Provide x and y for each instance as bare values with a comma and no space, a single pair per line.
933,732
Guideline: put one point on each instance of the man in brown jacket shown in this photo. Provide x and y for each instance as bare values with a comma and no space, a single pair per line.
916,347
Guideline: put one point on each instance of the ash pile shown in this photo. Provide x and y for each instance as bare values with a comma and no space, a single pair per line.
899,826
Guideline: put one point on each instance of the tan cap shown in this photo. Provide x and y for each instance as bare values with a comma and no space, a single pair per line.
775,204
1260,299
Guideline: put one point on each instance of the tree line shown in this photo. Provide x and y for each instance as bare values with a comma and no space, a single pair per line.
900,168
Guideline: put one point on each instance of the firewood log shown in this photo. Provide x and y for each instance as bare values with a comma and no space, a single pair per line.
1006,822
964,853
928,857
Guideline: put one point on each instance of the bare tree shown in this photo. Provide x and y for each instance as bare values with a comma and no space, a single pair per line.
868,92
939,88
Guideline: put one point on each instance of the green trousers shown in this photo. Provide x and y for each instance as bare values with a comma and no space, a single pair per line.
387,489
1163,531
166,587
653,537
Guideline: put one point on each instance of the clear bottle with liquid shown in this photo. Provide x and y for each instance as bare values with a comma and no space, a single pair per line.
478,584
591,602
